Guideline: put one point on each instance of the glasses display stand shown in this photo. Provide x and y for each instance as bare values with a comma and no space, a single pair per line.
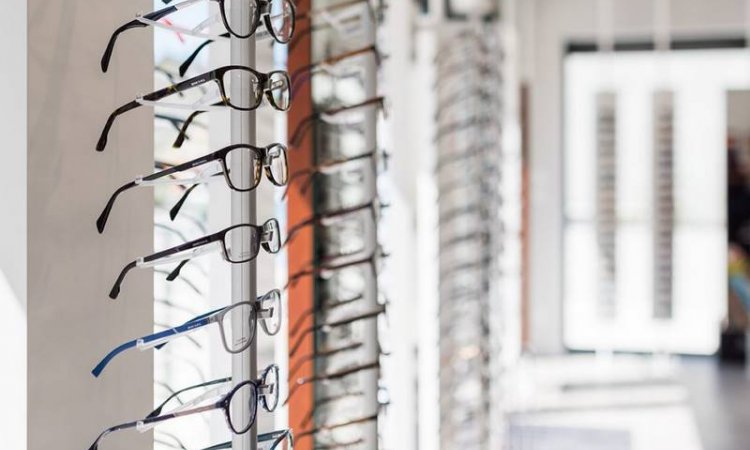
334,262
606,201
468,176
244,364
663,202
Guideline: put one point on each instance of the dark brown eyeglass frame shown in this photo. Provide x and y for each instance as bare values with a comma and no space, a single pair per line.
217,76
264,158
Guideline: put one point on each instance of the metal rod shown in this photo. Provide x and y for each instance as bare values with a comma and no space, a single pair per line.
244,365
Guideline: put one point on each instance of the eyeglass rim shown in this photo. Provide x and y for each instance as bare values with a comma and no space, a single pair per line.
255,20
262,156
263,79
253,321
259,228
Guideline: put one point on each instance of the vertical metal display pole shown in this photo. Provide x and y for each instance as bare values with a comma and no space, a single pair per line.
244,365
370,381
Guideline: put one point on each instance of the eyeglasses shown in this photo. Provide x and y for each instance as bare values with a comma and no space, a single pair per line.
278,17
267,308
341,18
275,440
372,261
238,244
331,376
375,206
306,359
322,405
272,158
330,428
194,55
239,413
329,66
331,115
334,324
309,174
274,86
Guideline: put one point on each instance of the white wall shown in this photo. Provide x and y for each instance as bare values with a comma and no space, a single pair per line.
13,223
72,323
548,25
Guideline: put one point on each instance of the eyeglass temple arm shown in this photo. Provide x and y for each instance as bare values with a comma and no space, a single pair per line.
173,275
303,74
338,323
306,123
149,423
162,338
169,333
324,354
174,121
181,86
148,260
329,376
115,291
190,59
102,143
183,132
304,126
101,221
182,135
159,408
123,426
293,330
178,206
156,15
99,368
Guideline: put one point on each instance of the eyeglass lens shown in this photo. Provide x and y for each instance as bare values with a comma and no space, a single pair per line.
241,244
242,415
238,327
241,25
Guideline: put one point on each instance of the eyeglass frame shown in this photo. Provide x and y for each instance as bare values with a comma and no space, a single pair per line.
219,155
223,403
216,75
153,18
267,232
162,338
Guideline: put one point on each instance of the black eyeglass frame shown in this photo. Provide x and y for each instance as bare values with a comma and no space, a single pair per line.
265,234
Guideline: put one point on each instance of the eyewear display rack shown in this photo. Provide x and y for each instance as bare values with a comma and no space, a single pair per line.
606,201
334,255
239,89
244,364
663,202
468,175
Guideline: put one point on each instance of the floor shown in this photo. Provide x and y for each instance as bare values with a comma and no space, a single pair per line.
586,402
720,400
